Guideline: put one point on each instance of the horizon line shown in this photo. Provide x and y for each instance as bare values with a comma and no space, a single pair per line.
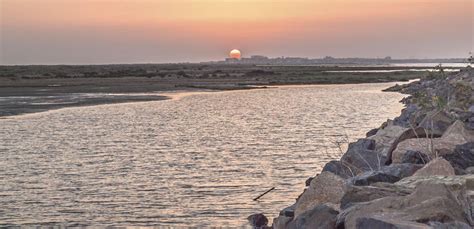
222,60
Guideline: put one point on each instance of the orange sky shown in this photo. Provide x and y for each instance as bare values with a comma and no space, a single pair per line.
122,31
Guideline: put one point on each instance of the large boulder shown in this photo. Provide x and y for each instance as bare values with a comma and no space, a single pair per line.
456,134
408,116
361,156
383,223
385,137
389,174
453,182
437,166
357,194
321,216
325,188
428,203
436,122
415,157
449,225
462,158
288,211
339,168
281,222
412,133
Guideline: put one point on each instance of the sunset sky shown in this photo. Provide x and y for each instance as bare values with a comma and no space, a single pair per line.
137,31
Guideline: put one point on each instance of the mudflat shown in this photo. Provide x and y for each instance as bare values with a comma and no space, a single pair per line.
34,88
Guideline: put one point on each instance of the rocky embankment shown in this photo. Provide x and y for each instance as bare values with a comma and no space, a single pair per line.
415,171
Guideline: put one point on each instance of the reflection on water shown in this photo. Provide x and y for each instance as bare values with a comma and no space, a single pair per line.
197,160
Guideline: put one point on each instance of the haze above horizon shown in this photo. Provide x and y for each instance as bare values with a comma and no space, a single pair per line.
146,31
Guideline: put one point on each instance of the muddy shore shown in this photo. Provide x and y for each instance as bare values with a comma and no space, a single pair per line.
29,89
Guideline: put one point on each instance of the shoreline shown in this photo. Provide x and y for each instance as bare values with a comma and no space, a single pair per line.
53,84
42,100
415,171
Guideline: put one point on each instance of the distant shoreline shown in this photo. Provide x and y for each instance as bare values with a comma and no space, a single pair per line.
31,89
11,106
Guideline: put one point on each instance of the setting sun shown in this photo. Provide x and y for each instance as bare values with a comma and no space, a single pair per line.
235,54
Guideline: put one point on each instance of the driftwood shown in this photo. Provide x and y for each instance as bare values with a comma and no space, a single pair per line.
269,190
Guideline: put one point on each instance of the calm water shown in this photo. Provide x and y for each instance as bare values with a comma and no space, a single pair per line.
196,160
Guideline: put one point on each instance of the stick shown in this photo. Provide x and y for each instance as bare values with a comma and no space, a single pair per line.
269,190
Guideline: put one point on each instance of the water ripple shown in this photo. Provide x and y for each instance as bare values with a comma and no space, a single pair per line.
197,160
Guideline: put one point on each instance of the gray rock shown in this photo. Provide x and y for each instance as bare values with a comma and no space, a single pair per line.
449,225
339,168
386,136
372,132
322,216
437,166
471,109
362,144
415,157
389,174
456,134
429,202
453,182
361,156
470,123
325,188
377,223
469,170
462,158
406,116
281,222
357,194
258,220
436,122
288,211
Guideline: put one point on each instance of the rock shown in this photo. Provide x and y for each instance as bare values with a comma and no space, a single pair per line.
362,144
407,134
258,220
361,157
406,118
308,181
288,211
453,182
385,137
325,188
470,123
339,168
471,109
436,122
429,202
381,223
389,174
462,158
372,132
437,166
321,216
415,157
470,170
456,134
357,194
449,225
281,222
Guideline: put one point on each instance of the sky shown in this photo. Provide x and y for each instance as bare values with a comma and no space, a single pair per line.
161,31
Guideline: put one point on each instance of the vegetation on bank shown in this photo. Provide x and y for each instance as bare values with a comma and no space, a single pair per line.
249,74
